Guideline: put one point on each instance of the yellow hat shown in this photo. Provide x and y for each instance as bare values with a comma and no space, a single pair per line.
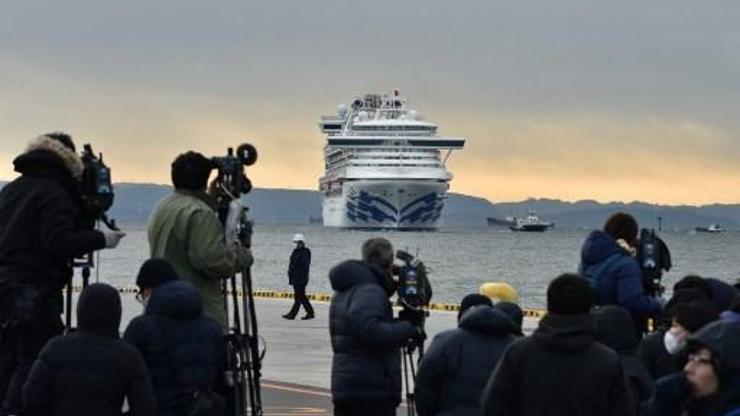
498,291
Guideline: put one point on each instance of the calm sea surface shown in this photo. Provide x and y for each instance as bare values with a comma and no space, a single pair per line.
459,259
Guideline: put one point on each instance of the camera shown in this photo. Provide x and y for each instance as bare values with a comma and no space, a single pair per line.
653,257
414,289
96,188
231,179
230,184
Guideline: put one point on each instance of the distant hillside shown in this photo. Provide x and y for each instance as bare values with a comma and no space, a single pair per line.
134,202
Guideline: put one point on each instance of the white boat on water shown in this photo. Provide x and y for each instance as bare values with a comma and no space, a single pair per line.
713,228
530,223
384,166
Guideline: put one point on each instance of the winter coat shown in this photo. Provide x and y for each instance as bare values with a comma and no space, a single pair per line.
365,338
41,225
184,229
672,393
300,261
621,282
459,362
654,356
182,347
722,293
559,370
616,330
90,371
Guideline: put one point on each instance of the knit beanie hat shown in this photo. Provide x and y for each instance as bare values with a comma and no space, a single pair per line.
473,299
513,312
695,314
99,310
155,272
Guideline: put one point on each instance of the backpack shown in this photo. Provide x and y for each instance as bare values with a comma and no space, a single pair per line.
595,273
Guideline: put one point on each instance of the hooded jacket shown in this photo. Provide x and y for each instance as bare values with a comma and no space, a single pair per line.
184,229
365,338
90,371
615,329
559,370
621,282
41,224
459,362
672,393
182,347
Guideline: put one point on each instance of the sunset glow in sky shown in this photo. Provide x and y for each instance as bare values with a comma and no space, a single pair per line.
569,99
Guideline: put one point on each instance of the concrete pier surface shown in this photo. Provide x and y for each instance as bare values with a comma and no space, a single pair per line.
296,370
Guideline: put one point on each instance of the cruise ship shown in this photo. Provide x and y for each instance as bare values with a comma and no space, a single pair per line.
384,166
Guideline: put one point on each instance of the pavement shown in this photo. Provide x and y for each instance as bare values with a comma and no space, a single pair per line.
296,370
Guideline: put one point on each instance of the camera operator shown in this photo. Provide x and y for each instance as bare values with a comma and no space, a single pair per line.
365,338
43,227
185,230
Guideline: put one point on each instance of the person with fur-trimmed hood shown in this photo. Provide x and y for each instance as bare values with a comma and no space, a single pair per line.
42,228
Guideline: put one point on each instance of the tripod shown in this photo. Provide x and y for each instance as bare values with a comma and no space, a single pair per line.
409,368
245,359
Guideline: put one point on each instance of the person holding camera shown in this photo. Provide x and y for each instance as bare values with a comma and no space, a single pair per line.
300,261
185,230
608,262
365,338
43,227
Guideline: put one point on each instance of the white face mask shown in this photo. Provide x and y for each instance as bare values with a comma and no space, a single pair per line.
674,340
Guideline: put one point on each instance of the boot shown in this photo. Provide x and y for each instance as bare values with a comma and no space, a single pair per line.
289,316
307,317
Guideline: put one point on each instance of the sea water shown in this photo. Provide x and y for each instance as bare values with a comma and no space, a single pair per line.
459,259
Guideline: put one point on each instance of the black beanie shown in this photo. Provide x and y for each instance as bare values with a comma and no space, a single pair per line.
99,310
569,294
473,299
190,171
155,272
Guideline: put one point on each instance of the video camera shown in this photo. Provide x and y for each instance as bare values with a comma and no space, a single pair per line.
244,359
414,290
654,258
96,188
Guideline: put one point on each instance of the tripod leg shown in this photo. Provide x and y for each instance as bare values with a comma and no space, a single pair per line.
252,337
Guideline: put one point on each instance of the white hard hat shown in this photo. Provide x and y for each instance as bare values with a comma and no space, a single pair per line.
298,237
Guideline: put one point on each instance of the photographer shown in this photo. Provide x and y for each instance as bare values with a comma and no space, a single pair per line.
43,227
365,338
185,230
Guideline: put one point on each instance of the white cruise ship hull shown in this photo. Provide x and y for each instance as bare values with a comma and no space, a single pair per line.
391,204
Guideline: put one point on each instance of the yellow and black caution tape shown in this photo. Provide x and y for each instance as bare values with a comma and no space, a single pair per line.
326,297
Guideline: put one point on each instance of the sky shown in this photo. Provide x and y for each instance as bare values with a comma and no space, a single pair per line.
613,101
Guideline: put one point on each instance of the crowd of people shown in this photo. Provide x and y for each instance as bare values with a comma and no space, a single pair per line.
605,347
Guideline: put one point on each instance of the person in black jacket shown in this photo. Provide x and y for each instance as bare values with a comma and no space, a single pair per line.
300,262
365,338
459,362
42,228
182,347
710,382
90,371
616,330
561,369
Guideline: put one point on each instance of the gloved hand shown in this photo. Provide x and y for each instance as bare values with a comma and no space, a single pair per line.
112,238
244,256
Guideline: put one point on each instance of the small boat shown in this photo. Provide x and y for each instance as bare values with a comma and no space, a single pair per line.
713,228
497,222
531,223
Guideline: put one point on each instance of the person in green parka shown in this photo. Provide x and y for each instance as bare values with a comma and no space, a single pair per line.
185,230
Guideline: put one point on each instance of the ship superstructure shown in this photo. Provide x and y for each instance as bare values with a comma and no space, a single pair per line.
384,166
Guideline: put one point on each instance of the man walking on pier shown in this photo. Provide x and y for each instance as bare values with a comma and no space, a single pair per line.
300,262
